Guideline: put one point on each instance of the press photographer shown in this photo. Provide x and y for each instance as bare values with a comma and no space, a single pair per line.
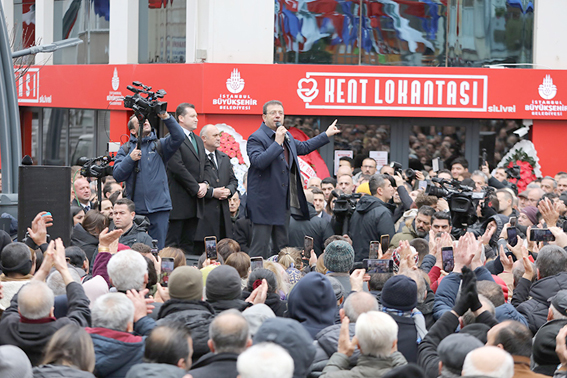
141,162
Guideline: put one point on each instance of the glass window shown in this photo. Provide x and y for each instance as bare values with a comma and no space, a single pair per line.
81,134
404,32
162,31
84,19
427,142
497,137
55,124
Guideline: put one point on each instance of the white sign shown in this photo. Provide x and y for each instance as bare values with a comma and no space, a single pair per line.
339,154
381,158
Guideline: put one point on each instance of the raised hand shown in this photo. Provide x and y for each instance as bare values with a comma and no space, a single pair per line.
332,129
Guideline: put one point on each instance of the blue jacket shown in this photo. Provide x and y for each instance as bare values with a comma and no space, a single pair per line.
268,175
509,312
152,191
448,289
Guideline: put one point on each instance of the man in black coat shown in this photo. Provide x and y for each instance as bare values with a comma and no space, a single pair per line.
187,186
229,336
216,219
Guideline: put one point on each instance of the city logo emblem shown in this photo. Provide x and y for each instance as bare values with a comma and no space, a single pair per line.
307,94
115,80
235,84
547,90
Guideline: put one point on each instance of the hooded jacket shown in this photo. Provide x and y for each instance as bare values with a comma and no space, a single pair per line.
535,309
149,370
371,219
116,352
59,371
87,242
152,190
408,233
196,315
312,302
327,342
318,228
508,312
291,336
215,365
135,234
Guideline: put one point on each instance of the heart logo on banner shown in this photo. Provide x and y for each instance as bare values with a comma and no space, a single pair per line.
307,94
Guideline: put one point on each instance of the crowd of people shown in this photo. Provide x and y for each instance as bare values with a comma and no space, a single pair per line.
397,282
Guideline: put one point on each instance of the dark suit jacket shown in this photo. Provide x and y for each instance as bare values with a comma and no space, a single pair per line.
268,175
185,170
209,225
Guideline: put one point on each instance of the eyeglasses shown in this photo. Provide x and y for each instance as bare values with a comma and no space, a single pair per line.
274,112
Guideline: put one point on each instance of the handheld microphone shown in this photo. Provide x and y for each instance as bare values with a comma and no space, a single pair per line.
278,124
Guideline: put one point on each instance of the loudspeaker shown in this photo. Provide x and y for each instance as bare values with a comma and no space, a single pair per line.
45,188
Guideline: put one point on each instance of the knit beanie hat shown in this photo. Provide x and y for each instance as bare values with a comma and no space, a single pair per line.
14,363
223,283
364,188
255,280
531,213
186,283
399,293
339,257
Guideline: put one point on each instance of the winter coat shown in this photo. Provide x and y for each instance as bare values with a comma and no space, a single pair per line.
196,315
273,301
87,242
215,365
326,343
135,234
408,233
227,304
509,312
535,309
59,371
152,190
371,219
366,367
151,370
33,336
116,352
316,227
10,287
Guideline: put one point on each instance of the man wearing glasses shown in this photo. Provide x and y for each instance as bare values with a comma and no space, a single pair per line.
275,188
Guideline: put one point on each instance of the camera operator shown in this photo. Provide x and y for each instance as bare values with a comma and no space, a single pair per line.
373,216
151,193
500,178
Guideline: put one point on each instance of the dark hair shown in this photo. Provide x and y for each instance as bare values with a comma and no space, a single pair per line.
95,222
349,159
462,161
271,102
75,255
428,211
515,338
125,201
181,108
316,191
176,254
378,280
108,188
423,199
114,196
75,210
152,274
141,247
492,291
441,215
167,343
260,274
551,260
551,196
329,180
331,239
377,181
421,246
239,261
203,257
131,122
444,171
226,247
71,345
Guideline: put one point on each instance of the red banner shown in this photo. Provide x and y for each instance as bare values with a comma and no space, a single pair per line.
310,89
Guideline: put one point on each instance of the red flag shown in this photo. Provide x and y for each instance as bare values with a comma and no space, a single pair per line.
314,159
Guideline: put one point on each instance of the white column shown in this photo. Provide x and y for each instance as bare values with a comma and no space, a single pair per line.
550,30
8,8
123,35
44,29
191,31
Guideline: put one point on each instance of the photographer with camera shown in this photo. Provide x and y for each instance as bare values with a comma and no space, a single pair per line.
143,171
373,216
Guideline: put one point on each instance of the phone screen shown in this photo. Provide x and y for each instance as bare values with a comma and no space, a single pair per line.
256,263
307,246
512,236
448,261
373,251
541,234
166,269
422,184
513,221
385,242
211,247
379,266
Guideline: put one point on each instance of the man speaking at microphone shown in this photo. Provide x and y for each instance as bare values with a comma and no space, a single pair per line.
275,187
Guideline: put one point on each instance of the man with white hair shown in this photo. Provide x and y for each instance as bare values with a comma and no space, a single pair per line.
128,270
488,361
29,322
118,319
265,360
376,335
216,216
